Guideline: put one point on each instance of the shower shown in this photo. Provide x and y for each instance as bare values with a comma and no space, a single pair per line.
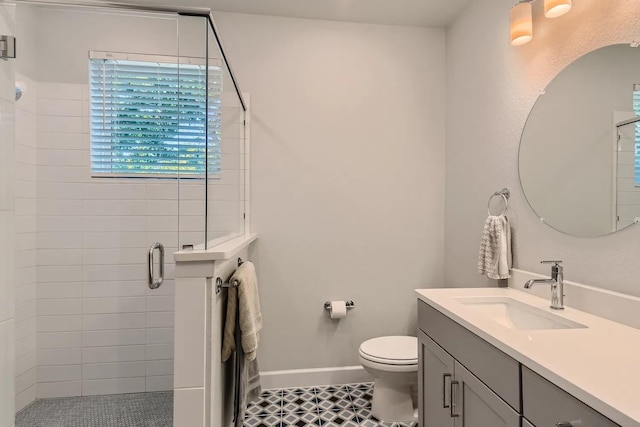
132,134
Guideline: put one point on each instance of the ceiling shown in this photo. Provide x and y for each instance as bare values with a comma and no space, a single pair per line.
424,13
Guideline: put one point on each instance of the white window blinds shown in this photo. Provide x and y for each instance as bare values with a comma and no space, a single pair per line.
149,117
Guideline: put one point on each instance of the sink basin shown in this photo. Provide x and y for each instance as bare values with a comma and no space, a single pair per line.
514,314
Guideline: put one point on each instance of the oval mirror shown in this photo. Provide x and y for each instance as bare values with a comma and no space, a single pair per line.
579,159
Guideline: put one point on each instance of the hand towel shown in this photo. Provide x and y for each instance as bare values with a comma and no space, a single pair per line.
244,298
495,259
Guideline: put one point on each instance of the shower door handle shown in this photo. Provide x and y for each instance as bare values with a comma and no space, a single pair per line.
153,283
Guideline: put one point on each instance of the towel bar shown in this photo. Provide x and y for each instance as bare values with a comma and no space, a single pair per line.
220,285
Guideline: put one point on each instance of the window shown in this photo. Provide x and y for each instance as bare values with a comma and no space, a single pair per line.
149,116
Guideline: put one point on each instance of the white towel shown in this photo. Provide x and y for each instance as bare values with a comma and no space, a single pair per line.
495,248
245,298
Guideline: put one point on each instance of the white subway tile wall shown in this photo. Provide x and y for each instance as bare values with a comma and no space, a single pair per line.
26,268
8,346
100,330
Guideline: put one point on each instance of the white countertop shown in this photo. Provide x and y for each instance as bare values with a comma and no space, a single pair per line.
599,365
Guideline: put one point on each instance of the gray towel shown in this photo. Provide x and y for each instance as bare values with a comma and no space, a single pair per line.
495,248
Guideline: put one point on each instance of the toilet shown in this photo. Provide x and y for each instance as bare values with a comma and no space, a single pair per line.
393,363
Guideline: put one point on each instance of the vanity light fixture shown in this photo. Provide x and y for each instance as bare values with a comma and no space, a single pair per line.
521,23
555,8
521,18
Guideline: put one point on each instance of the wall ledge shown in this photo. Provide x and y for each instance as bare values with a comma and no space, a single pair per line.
219,249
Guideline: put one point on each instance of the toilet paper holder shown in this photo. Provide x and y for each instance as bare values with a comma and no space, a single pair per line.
350,305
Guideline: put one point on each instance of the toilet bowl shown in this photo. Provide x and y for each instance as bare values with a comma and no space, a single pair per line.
393,363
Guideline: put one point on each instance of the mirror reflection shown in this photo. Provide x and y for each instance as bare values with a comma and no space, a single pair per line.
579,159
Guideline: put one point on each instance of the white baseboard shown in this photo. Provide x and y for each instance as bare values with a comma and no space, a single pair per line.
312,377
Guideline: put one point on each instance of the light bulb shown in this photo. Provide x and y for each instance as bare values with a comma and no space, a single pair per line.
521,23
555,8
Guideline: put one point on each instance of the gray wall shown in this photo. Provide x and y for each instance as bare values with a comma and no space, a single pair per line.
347,178
492,87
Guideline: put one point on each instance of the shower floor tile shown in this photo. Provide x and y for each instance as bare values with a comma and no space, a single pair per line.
118,410
330,406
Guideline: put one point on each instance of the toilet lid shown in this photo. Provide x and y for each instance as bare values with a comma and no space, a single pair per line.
395,350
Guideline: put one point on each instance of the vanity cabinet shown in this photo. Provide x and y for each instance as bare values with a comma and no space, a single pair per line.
451,396
465,381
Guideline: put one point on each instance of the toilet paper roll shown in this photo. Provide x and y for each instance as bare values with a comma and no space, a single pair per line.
338,309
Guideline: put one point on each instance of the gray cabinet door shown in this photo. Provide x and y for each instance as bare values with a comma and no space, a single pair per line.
435,372
526,423
546,404
500,372
475,405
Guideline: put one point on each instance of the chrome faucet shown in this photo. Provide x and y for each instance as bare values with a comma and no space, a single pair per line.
557,285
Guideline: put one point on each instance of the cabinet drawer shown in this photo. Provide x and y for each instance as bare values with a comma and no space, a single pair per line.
498,371
545,404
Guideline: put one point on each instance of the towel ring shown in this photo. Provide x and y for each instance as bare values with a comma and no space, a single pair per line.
504,193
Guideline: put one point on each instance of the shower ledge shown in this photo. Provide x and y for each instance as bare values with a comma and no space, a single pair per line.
225,249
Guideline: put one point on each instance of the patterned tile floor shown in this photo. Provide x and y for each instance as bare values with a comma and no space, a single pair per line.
118,410
344,406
